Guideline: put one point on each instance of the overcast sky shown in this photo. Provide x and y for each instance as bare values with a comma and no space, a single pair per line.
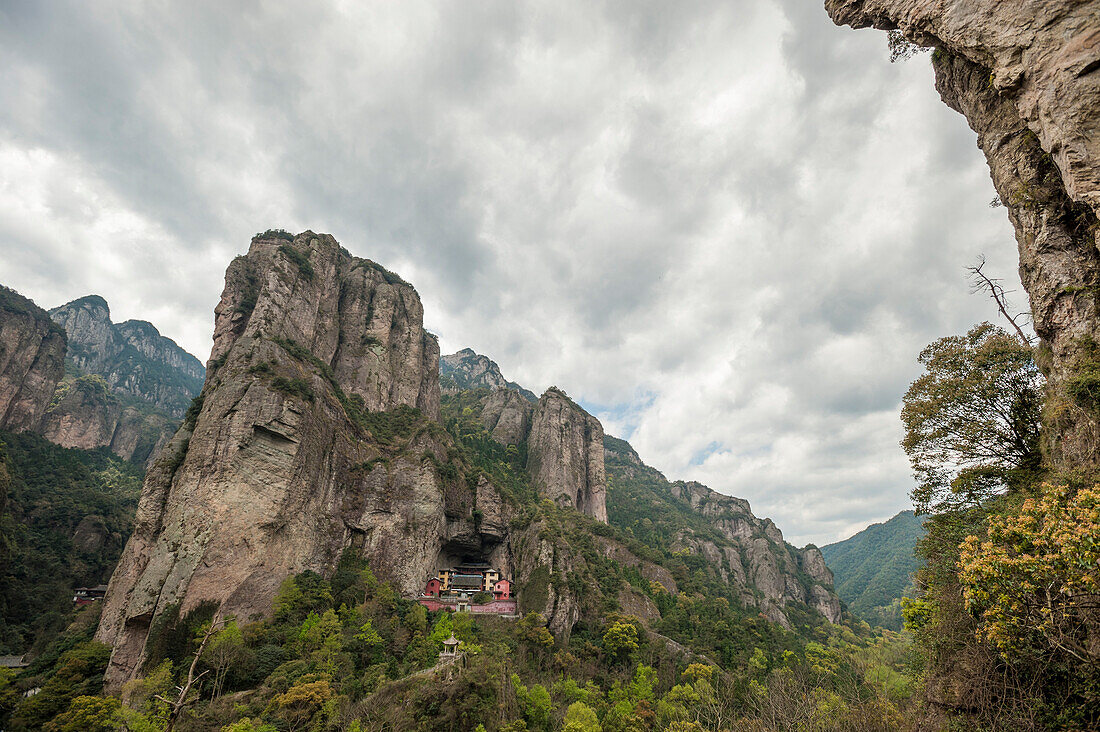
727,228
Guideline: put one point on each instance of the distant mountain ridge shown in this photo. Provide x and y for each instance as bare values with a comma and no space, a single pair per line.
82,382
132,357
469,370
874,568
749,554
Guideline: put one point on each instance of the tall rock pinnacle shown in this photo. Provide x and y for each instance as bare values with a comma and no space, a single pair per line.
314,432
565,455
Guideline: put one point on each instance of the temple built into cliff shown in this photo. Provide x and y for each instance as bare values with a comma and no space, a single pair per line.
473,587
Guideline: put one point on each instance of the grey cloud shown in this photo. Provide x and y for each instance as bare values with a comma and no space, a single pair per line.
729,227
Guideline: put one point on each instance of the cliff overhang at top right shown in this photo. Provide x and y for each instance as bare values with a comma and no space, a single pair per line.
1026,75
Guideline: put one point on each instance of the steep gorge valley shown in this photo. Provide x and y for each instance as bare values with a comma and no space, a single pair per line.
255,540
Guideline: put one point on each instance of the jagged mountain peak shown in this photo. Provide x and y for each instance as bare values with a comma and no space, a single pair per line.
467,369
89,302
133,357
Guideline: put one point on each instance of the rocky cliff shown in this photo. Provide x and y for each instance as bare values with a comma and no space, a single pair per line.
507,415
467,370
132,357
32,361
316,430
565,455
77,411
1027,77
87,414
570,461
563,442
749,553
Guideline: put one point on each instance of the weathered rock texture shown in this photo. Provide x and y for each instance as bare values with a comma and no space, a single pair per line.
1026,75
507,415
32,361
564,443
748,553
565,455
570,461
317,431
86,414
469,370
133,357
759,561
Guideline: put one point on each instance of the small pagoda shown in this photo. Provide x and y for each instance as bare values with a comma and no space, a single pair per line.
450,650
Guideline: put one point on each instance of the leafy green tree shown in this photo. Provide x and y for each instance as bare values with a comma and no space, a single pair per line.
1034,581
146,695
620,640
248,725
580,717
972,419
301,705
226,649
368,641
535,704
88,714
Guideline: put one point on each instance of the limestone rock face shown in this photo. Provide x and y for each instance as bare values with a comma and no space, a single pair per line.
1026,75
507,415
32,361
469,370
565,455
813,563
306,443
541,569
759,561
564,442
148,341
85,414
132,357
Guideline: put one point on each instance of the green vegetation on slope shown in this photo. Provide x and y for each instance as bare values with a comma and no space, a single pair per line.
348,654
12,302
69,513
874,569
1005,624
640,501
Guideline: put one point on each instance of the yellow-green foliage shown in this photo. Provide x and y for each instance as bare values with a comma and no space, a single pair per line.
1034,580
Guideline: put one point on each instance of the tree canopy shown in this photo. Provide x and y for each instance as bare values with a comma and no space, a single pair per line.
972,419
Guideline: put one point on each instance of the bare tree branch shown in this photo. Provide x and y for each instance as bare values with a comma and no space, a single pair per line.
177,706
980,281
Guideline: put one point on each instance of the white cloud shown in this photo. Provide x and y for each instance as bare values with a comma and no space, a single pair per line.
727,227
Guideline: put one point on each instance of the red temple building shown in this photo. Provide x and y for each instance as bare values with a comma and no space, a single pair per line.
472,587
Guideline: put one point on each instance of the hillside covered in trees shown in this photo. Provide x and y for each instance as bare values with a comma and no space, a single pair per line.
874,568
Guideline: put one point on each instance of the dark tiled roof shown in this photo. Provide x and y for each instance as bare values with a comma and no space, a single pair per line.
473,581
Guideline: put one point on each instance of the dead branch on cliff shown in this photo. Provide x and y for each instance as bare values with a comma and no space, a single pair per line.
981,282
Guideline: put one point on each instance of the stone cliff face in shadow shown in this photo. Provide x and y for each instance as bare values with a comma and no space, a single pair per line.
32,361
85,413
565,455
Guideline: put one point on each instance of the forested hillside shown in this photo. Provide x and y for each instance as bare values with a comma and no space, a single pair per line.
663,640
68,515
874,569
